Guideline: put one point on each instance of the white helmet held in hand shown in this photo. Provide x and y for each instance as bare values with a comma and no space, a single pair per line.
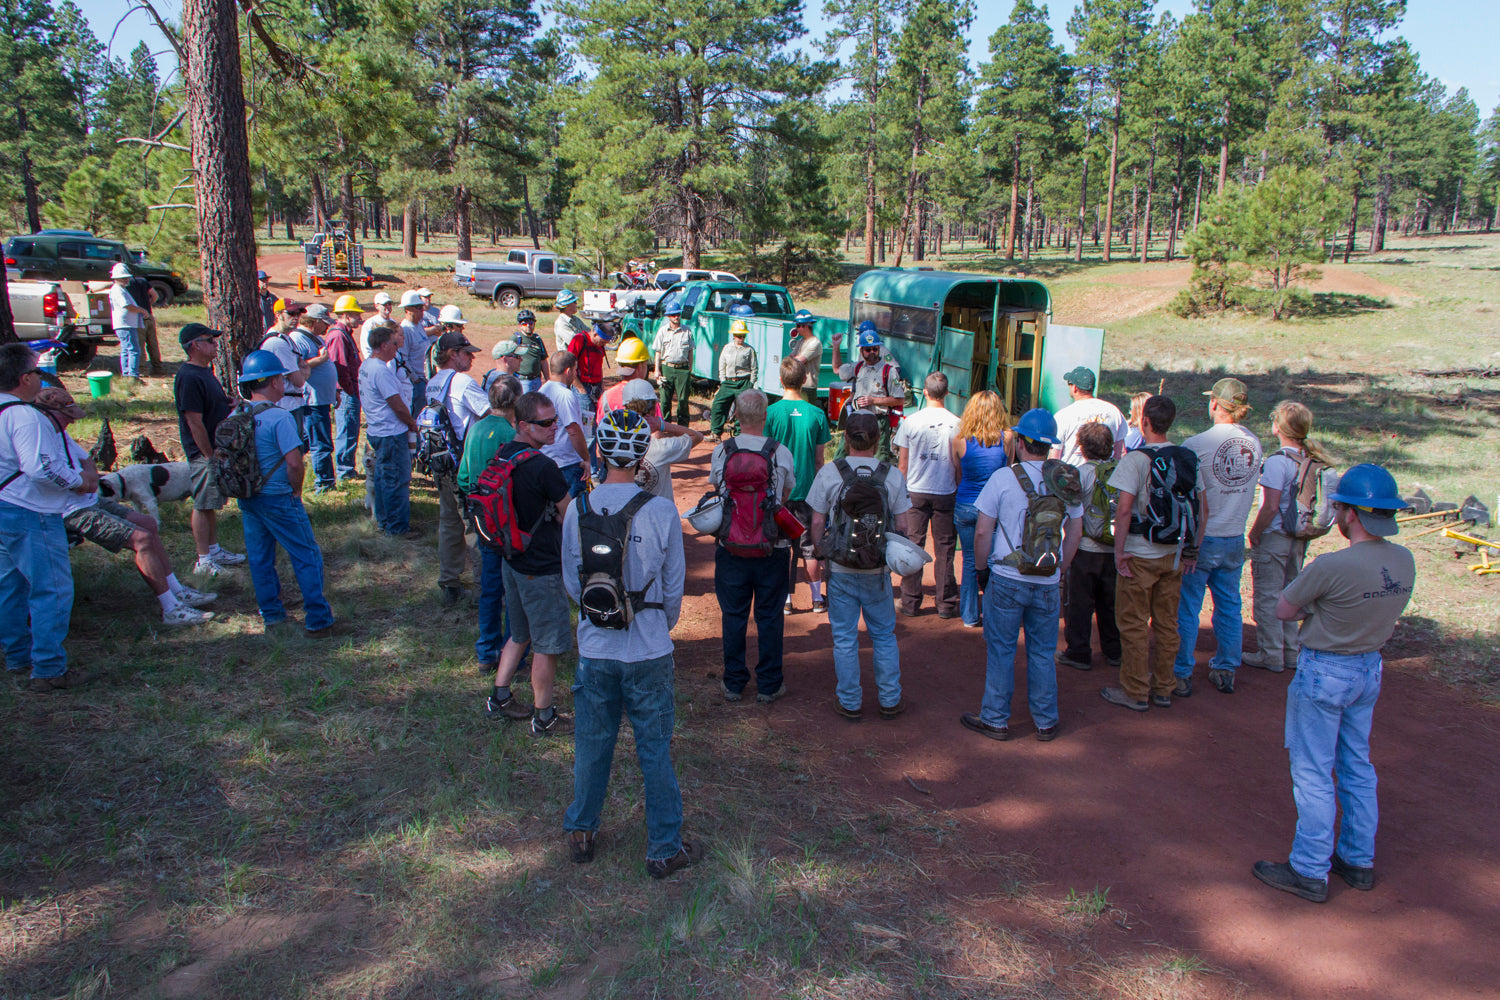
904,556
708,516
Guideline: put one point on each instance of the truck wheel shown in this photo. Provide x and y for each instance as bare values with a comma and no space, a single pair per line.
80,352
164,293
507,298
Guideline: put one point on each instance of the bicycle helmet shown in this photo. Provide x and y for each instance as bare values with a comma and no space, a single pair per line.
623,437
525,316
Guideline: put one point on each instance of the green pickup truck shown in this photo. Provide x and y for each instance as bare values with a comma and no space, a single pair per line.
72,255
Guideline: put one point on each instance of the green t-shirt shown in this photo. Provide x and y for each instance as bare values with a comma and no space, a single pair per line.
803,428
485,438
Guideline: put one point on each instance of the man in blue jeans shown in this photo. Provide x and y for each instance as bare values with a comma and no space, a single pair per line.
388,420
1012,599
319,393
37,479
1348,602
275,515
625,659
1229,457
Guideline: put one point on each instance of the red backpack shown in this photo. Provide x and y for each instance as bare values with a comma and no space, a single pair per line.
493,505
748,529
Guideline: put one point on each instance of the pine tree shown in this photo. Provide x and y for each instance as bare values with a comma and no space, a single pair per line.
39,126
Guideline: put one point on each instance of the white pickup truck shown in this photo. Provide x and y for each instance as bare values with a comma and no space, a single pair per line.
43,311
523,274
625,299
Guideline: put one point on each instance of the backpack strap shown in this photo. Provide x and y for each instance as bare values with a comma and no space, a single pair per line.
638,600
254,409
1027,487
845,470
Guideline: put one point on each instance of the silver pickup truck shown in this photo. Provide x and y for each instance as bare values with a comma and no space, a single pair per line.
43,311
524,274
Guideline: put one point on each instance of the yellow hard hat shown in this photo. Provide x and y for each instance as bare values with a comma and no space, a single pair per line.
739,328
279,305
632,352
347,304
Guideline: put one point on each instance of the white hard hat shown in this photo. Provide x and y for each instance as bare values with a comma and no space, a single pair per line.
904,556
425,292
410,298
451,314
708,515
119,271
383,298
637,390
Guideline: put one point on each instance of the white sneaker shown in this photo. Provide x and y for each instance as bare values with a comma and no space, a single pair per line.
195,598
226,558
184,615
207,567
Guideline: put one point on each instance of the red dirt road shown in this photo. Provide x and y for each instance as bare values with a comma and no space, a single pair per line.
1169,809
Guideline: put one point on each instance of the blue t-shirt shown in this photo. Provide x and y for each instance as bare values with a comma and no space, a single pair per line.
322,381
275,435
979,464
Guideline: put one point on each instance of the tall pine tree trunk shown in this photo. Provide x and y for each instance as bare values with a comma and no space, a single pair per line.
320,201
1015,194
1114,168
1150,192
463,224
1083,205
7,321
28,176
1030,202
221,163
1223,154
911,180
1353,221
409,230
536,243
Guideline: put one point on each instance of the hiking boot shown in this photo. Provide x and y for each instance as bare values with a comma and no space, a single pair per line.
892,711
581,846
1112,661
820,606
226,558
1281,875
181,614
1184,688
511,708
1117,696
852,714
558,725
452,595
1259,664
1222,679
729,694
1046,734
1354,876
1161,700
64,681
766,699
1063,659
690,854
972,721
195,598
328,631
912,613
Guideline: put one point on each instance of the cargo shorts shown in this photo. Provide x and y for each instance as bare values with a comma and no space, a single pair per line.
206,495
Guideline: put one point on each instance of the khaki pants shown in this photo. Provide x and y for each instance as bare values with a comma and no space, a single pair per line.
1146,603
453,549
1274,564
150,344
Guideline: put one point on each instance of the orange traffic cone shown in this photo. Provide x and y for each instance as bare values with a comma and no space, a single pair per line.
317,285
300,286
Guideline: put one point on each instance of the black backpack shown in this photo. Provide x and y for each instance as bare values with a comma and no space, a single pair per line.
1168,514
858,519
602,538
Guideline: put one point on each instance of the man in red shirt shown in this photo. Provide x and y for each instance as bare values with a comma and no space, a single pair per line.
589,349
343,351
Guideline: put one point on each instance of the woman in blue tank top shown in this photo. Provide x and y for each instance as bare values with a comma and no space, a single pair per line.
981,445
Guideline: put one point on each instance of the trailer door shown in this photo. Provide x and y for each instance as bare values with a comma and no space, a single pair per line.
1066,348
955,351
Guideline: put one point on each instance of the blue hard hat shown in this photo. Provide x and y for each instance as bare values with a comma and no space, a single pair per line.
1038,425
675,309
566,297
1368,485
867,324
740,310
261,364
803,316
869,338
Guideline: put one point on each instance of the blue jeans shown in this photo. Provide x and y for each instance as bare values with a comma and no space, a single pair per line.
1009,606
272,519
849,594
36,591
1220,562
532,384
494,628
1329,707
418,396
965,517
576,474
317,431
737,583
390,482
602,690
346,436
130,351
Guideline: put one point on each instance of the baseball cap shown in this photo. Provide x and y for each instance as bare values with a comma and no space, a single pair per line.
1231,391
1082,377
262,276
504,349
383,298
637,390
58,398
319,311
454,340
196,331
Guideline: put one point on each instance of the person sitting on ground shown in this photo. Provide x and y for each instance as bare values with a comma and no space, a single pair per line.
113,526
670,443
625,660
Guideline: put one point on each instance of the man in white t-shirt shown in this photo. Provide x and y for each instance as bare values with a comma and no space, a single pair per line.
568,449
384,305
465,403
128,317
923,446
1085,409
1014,600
1229,460
383,398
670,443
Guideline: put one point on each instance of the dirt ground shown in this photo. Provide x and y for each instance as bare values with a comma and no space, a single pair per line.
1167,809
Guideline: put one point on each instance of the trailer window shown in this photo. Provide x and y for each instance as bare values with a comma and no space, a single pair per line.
895,320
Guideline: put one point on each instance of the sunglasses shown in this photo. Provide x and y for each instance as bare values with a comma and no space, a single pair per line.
543,423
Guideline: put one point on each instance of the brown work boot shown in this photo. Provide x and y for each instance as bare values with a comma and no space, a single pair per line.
62,682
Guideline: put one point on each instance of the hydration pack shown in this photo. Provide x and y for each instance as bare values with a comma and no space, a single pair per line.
236,463
859,518
1103,502
1041,550
748,529
1168,514
603,537
492,504
1299,506
439,447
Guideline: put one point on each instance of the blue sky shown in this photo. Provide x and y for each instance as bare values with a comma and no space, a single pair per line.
1454,38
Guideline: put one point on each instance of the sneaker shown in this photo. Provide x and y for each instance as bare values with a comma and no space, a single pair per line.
730,694
972,721
821,607
1046,734
1117,696
1222,679
690,854
452,595
195,598
581,846
226,558
62,682
786,608
558,725
766,699
1274,668
851,714
1354,876
511,708
207,567
340,627
181,614
973,624
1161,700
1063,659
1184,688
892,711
1112,662
1281,875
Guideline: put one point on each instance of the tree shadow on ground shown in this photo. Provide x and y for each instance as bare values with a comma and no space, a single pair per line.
1334,305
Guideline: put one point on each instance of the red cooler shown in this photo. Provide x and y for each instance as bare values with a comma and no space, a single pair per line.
838,397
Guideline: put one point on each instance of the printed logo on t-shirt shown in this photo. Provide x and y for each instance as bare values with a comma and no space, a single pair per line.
1389,587
1234,464
646,476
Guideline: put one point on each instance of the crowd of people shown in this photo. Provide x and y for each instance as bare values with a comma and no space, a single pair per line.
1086,516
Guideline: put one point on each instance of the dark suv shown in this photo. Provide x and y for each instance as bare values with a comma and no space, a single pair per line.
67,256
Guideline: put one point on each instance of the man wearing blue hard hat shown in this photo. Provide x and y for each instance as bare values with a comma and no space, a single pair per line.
272,512
673,345
874,384
1348,602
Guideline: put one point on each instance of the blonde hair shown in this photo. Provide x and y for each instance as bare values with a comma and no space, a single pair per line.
1291,418
984,419
1137,407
